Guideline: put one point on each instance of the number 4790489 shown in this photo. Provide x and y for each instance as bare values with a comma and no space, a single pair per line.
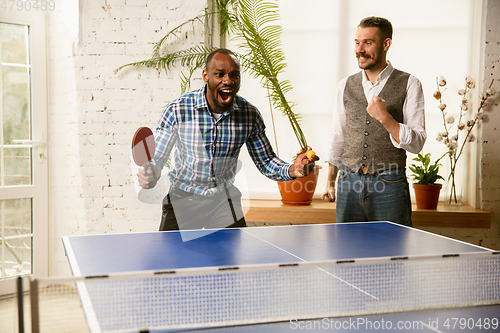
471,323
27,5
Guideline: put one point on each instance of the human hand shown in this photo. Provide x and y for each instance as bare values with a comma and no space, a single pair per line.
302,165
148,176
329,194
377,109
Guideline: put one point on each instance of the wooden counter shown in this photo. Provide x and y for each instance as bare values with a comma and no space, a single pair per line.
273,211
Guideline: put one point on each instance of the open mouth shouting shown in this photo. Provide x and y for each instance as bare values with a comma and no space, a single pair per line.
226,95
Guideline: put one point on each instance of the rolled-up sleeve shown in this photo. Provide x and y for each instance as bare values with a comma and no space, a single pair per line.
336,143
412,133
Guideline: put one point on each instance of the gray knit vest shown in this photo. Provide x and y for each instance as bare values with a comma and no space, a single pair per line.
366,141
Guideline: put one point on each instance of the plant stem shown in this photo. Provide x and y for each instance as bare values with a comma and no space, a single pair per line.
272,117
288,110
453,192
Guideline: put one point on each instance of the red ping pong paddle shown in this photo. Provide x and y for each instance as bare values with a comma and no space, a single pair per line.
143,147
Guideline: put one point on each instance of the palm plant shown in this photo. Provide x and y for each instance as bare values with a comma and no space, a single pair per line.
253,25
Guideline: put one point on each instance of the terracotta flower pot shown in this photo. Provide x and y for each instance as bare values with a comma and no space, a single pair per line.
300,191
427,196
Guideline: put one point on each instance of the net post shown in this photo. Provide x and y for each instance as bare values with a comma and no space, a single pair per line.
20,304
35,318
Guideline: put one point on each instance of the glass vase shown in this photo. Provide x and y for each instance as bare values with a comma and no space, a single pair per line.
454,191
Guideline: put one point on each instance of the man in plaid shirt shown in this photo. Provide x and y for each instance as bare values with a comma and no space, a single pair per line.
208,127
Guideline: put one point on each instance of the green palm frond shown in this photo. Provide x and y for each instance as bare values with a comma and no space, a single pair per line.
254,25
186,80
260,39
225,19
225,10
191,57
179,32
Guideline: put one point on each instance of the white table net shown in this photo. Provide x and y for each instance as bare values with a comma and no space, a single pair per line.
221,296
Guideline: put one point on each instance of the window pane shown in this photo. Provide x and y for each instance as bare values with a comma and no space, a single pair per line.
16,103
16,125
14,43
17,162
16,216
17,257
16,220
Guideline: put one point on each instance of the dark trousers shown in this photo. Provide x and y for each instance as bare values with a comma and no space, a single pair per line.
187,211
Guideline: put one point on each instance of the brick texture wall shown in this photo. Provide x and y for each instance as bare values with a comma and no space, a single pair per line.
490,143
94,113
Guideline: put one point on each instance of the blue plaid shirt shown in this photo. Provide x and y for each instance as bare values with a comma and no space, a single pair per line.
207,148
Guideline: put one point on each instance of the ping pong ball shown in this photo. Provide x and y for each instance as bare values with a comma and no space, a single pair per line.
310,154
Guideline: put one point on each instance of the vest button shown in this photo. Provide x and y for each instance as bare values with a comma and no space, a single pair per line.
367,121
364,157
365,145
366,133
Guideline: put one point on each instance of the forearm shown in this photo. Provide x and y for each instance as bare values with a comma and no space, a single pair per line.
412,138
329,193
391,126
273,167
332,175
262,154
165,139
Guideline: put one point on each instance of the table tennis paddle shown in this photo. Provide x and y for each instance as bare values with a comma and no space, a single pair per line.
143,147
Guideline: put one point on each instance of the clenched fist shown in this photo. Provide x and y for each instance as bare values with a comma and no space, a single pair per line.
377,109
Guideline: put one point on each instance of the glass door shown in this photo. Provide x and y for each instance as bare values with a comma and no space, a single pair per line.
23,160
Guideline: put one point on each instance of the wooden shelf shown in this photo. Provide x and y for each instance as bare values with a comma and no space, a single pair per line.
446,217
318,212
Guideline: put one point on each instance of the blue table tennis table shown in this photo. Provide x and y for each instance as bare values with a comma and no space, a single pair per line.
94,255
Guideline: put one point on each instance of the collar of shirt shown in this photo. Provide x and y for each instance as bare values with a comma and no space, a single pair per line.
372,90
202,103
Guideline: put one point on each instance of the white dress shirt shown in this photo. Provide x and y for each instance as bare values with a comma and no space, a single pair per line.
412,133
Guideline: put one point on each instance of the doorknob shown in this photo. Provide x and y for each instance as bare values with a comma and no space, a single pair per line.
38,145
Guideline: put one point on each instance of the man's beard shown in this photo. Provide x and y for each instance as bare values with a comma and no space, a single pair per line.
375,62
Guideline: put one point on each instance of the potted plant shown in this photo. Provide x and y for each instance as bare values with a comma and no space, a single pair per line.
253,25
425,177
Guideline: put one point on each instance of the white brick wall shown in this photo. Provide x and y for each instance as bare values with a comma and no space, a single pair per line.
93,114
490,175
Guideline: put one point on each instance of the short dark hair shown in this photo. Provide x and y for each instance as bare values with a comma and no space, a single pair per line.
384,26
214,52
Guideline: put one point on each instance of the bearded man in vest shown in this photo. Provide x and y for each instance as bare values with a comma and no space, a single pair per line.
378,116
